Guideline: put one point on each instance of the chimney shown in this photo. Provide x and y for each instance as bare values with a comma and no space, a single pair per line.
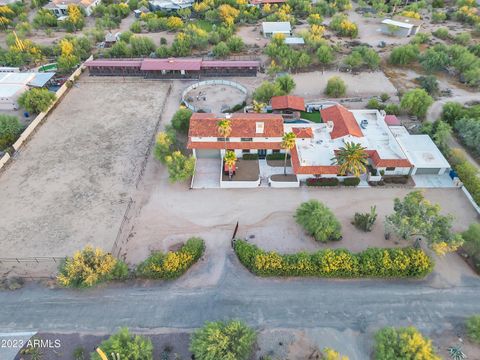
329,126
259,127
228,116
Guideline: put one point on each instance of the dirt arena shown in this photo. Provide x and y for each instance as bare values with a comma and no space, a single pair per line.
70,185
215,98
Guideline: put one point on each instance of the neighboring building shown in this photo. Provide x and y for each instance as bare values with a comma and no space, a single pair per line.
271,28
294,41
173,68
7,2
111,38
401,26
390,149
14,84
287,103
142,10
170,5
259,3
59,7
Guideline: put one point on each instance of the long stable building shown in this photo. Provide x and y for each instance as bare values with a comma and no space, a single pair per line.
172,68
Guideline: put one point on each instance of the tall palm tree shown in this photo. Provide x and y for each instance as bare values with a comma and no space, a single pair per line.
352,159
288,142
224,128
230,160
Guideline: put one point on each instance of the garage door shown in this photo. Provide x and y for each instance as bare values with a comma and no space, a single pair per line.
207,154
427,171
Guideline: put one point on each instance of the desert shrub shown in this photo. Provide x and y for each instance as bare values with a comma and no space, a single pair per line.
89,267
365,221
36,100
343,26
467,173
441,33
462,38
404,55
473,328
128,346
392,109
181,120
277,156
318,221
10,128
402,343
439,16
471,245
223,340
351,181
336,87
429,83
396,179
322,182
416,102
172,264
250,156
336,263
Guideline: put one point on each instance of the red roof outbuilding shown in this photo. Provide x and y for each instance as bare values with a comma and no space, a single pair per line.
303,132
344,122
392,120
171,64
289,102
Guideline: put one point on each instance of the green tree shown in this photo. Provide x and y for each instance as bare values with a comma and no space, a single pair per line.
141,45
452,111
471,243
352,159
335,87
36,100
230,160
221,50
404,55
288,143
235,44
403,343
325,54
223,341
266,91
318,221
286,83
416,102
416,216
127,346
181,120
163,145
224,129
10,128
119,49
473,328
429,83
434,59
180,167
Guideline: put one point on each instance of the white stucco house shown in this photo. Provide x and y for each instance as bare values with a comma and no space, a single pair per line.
59,7
280,27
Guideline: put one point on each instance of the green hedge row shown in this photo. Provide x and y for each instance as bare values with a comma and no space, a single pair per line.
337,263
277,156
322,182
250,156
172,264
351,181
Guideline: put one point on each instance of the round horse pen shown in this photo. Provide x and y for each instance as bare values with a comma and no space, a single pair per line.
215,96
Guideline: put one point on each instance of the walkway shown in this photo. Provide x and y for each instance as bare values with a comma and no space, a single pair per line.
207,174
433,181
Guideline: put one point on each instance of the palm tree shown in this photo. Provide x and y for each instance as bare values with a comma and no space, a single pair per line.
288,143
258,106
224,128
230,160
352,159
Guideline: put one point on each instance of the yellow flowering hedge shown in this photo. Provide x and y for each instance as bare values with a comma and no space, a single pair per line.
89,267
172,264
336,263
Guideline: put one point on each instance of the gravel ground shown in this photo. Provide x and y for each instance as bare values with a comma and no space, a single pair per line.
69,186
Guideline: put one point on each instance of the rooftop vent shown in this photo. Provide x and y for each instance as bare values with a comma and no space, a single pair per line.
228,116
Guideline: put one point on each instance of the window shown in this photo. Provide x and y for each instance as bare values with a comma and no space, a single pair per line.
276,151
245,151
390,169
246,139
223,139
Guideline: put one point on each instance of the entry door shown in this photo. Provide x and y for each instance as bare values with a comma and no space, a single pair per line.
262,153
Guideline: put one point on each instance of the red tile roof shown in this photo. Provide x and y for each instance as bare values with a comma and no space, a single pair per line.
311,170
303,132
230,64
379,162
392,120
288,102
246,145
171,64
243,125
344,122
114,63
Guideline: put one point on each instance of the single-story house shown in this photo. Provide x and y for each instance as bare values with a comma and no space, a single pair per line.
287,103
59,7
141,10
111,38
169,5
280,27
401,26
14,84
390,149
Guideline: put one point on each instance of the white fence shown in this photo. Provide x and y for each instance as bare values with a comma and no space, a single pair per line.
471,199
233,84
283,184
38,120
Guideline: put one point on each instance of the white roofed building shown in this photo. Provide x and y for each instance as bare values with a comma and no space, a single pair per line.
401,26
280,27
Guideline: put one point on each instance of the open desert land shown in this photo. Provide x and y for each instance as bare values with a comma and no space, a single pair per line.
70,185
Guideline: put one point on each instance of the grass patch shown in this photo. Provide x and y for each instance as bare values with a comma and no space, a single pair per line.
203,24
313,116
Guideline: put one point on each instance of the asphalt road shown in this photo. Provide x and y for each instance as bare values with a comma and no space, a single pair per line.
358,305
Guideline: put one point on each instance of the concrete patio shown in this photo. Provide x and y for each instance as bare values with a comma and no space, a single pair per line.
433,181
207,174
